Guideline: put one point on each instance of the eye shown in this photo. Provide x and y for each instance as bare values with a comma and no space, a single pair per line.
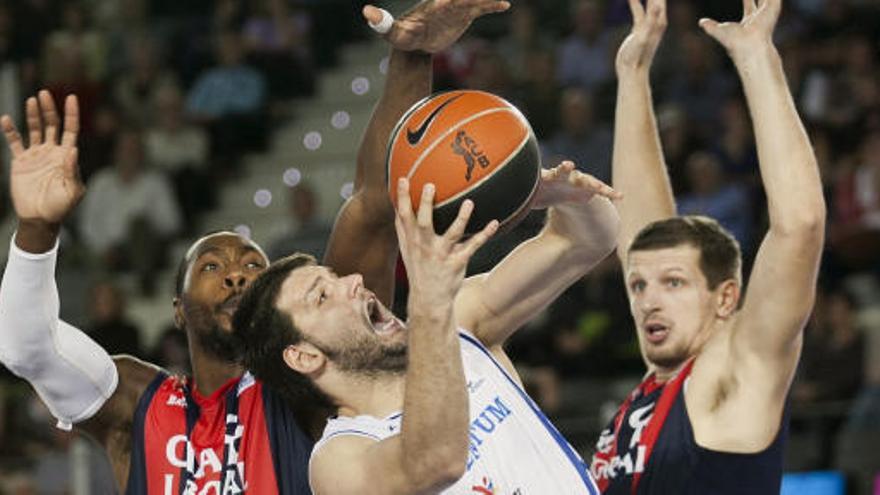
209,267
253,265
674,282
637,286
322,297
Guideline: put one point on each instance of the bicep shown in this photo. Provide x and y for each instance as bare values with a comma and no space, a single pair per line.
117,414
348,465
780,295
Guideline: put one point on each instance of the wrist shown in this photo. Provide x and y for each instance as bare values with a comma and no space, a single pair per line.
753,54
36,236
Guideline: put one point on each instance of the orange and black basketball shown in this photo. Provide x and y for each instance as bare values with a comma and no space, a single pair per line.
469,144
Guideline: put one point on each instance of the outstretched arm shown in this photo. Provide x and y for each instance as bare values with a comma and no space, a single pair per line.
363,238
580,232
76,379
419,460
638,168
783,282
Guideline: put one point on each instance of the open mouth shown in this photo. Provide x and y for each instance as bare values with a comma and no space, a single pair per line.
381,320
656,332
230,304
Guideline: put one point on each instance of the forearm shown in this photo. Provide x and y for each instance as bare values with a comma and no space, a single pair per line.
435,399
408,81
70,372
638,167
788,166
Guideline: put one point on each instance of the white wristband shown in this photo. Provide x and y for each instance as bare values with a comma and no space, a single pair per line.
384,25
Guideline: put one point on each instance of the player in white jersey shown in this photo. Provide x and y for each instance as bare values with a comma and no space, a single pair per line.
427,407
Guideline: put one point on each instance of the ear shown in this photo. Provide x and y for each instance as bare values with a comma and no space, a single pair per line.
304,358
179,321
727,298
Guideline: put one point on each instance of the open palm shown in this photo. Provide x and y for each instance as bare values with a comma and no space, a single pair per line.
433,25
44,180
565,185
759,19
649,23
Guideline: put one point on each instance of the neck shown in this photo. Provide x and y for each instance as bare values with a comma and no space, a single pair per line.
666,373
211,372
377,396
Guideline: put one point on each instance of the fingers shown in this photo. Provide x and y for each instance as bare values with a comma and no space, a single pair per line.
379,20
712,28
425,215
404,204
657,11
493,7
71,167
600,188
456,230
35,128
12,136
372,14
749,7
476,242
71,121
638,12
50,115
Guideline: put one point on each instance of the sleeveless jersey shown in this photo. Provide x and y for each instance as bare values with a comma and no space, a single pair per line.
240,439
514,450
649,448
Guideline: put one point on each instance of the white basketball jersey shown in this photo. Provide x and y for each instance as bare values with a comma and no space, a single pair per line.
514,450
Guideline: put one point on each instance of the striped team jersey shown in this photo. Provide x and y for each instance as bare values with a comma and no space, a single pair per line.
241,439
514,450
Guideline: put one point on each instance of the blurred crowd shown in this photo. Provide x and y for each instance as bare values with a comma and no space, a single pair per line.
174,93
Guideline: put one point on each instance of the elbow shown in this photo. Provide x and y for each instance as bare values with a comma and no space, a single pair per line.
808,223
446,466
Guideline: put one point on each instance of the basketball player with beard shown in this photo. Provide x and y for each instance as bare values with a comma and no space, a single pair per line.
219,431
710,416
433,405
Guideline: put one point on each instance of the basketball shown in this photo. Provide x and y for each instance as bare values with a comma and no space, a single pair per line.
470,145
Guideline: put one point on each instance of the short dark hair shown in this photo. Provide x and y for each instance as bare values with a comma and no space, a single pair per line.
720,256
265,332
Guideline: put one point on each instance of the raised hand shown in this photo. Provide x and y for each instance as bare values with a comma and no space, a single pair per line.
565,185
433,25
753,31
44,180
638,49
435,264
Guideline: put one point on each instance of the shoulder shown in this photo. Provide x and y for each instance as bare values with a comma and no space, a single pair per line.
340,465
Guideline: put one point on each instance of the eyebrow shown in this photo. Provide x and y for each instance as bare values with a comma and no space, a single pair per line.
311,287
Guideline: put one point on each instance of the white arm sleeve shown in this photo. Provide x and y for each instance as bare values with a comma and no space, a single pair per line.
71,373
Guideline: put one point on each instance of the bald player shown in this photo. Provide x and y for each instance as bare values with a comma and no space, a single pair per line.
710,416
219,431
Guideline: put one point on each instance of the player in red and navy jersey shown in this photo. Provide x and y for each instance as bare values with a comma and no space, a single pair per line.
710,417
219,431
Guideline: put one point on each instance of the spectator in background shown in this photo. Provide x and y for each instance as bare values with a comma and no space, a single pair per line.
180,150
171,352
700,84
831,367
539,94
522,41
139,86
855,236
130,213
109,325
230,98
76,36
305,231
584,57
735,146
278,42
714,195
489,72
581,138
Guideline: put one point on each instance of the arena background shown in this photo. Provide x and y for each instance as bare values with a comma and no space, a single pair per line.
271,154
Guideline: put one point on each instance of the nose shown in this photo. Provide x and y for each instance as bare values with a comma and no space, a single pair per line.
353,283
235,280
648,301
